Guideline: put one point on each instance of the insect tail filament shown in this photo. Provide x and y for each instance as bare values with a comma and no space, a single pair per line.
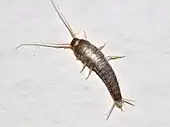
119,105
110,111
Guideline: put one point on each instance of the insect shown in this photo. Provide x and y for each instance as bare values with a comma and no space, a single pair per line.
94,59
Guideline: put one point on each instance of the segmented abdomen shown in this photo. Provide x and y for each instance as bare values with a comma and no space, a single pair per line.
95,59
106,73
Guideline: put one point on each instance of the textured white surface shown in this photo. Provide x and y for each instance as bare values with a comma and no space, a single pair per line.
42,87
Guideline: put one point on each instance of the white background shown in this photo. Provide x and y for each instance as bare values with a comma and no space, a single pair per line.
42,87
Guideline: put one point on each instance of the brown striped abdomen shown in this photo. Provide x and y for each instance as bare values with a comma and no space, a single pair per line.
95,59
106,73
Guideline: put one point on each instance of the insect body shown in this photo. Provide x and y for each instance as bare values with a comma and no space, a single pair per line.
94,59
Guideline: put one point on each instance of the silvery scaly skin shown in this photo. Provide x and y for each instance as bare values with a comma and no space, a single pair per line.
93,58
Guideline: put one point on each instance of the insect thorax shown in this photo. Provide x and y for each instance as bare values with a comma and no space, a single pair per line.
79,46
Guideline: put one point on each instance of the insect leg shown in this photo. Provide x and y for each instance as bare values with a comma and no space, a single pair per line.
52,45
83,68
110,111
108,58
89,73
85,35
101,47
81,34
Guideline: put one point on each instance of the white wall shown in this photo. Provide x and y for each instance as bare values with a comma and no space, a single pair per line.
43,86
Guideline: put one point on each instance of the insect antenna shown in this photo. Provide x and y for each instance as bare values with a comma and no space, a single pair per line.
63,19
51,45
